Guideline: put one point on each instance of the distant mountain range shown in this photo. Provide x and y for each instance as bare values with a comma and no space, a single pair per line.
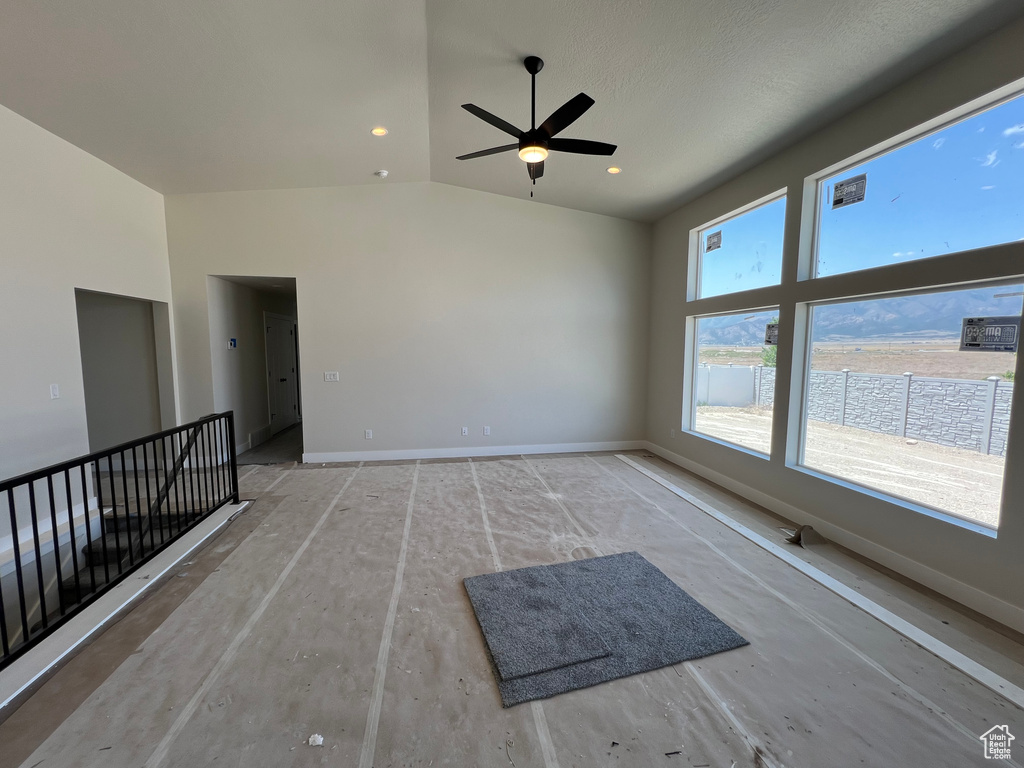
923,317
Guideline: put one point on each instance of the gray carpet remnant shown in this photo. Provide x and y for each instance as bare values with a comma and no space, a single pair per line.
530,623
621,602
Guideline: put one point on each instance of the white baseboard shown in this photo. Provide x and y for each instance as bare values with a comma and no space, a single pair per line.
995,608
241,448
471,451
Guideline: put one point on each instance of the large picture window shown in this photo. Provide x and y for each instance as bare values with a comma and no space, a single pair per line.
893,404
955,189
879,395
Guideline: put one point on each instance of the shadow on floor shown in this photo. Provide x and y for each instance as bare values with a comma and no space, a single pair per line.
281,448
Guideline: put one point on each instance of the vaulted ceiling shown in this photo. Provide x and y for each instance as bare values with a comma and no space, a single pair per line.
197,96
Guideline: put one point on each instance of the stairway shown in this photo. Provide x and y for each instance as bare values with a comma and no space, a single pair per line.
126,537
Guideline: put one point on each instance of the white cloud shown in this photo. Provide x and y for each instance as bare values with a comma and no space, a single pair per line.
981,130
1019,128
1019,146
897,255
990,159
938,143
990,186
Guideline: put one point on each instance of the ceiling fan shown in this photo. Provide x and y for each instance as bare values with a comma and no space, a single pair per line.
534,144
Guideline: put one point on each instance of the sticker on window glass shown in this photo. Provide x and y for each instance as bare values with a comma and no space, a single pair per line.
990,334
771,335
714,241
849,191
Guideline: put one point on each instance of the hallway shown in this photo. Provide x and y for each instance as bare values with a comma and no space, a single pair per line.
282,448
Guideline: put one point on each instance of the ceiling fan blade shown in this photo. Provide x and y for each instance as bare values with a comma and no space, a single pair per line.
581,146
486,152
536,170
494,120
567,114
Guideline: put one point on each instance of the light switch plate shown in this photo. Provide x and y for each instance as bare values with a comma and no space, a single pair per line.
332,376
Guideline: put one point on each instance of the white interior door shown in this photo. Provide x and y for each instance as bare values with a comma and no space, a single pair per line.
282,386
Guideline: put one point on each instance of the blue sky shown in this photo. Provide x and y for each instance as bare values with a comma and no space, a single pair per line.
953,190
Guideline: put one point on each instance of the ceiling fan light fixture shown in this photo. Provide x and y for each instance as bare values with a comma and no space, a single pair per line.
533,153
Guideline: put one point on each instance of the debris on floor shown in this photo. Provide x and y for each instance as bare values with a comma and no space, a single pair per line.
316,740
806,536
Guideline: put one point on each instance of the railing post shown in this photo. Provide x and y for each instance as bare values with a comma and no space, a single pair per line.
231,452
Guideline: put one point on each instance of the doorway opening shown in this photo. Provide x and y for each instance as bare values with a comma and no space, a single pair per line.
254,351
127,374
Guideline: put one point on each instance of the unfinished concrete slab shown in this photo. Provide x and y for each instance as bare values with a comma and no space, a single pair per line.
336,607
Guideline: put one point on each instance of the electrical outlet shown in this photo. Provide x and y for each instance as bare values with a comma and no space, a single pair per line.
465,431
54,392
332,376
487,430
368,434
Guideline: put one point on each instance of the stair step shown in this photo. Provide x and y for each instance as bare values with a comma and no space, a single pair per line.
107,546
85,576
132,520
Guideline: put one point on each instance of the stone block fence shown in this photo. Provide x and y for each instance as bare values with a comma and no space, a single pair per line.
961,413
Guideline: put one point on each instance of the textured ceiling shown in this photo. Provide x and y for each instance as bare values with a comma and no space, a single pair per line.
192,95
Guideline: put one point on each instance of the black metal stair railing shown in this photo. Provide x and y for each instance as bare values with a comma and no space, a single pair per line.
80,527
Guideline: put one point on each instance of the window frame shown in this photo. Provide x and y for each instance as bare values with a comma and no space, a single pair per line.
810,239
689,422
799,464
800,288
697,243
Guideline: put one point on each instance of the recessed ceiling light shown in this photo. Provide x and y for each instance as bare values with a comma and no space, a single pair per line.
615,169
380,130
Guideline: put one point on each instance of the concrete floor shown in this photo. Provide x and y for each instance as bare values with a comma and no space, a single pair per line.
282,448
335,606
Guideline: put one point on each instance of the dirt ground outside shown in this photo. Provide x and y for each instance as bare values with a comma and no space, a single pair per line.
941,359
963,482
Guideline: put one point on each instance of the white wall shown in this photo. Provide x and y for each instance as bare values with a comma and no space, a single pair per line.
986,573
67,220
119,368
441,307
240,374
